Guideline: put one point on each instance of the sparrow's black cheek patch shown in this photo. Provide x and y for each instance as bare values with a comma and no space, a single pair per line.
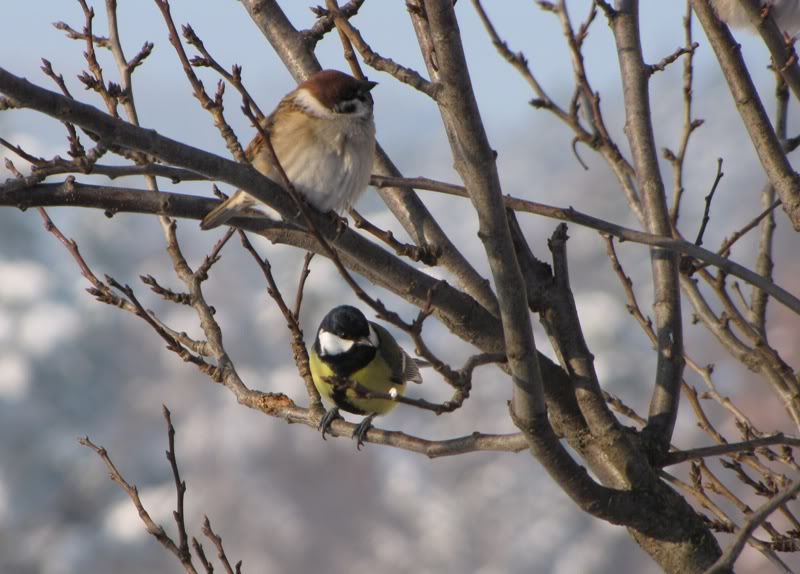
345,108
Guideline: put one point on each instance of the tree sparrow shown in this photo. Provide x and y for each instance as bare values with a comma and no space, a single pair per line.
785,12
323,135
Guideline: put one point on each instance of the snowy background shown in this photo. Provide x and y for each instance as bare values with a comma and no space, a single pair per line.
282,499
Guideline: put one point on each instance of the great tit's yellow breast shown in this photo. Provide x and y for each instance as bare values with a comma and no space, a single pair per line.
320,371
376,376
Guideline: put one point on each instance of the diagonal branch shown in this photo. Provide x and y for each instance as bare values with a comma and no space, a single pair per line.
421,226
784,57
679,456
129,200
133,493
374,60
475,162
754,117
725,562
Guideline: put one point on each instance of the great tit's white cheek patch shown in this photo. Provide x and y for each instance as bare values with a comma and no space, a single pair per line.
373,337
393,393
330,344
370,340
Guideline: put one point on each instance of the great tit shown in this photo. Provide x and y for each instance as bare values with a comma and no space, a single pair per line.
351,358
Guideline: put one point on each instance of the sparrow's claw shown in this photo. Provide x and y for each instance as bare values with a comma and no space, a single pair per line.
325,423
342,224
361,430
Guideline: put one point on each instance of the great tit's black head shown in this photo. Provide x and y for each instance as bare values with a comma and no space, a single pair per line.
343,328
347,322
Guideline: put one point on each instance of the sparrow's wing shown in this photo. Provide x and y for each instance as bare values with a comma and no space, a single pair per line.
785,12
258,155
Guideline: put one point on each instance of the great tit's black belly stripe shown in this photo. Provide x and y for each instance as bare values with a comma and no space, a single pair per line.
345,364
341,401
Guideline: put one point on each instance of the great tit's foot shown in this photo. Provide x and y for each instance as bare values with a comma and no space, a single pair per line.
361,430
325,423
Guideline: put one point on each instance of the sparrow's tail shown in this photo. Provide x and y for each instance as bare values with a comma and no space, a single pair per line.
229,208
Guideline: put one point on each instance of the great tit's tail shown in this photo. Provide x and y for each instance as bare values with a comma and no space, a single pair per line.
422,363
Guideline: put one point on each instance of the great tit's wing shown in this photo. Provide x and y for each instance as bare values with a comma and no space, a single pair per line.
404,367
411,369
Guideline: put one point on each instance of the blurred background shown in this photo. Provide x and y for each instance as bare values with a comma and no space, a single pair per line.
281,498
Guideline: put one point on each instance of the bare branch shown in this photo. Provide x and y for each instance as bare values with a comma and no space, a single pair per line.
765,141
409,210
726,561
217,541
622,233
213,106
667,304
667,60
234,77
298,300
154,529
413,252
375,60
709,197
464,125
325,23
180,487
677,457
292,322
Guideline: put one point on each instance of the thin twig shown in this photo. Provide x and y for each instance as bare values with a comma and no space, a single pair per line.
679,456
667,60
301,283
351,37
325,23
133,493
709,197
622,233
180,488
725,248
292,322
424,254
728,558
217,541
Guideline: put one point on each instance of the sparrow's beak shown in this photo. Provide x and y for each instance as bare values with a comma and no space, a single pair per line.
368,85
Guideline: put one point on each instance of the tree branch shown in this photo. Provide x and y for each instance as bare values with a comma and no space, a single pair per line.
667,303
754,117
784,57
725,562
404,204
475,163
